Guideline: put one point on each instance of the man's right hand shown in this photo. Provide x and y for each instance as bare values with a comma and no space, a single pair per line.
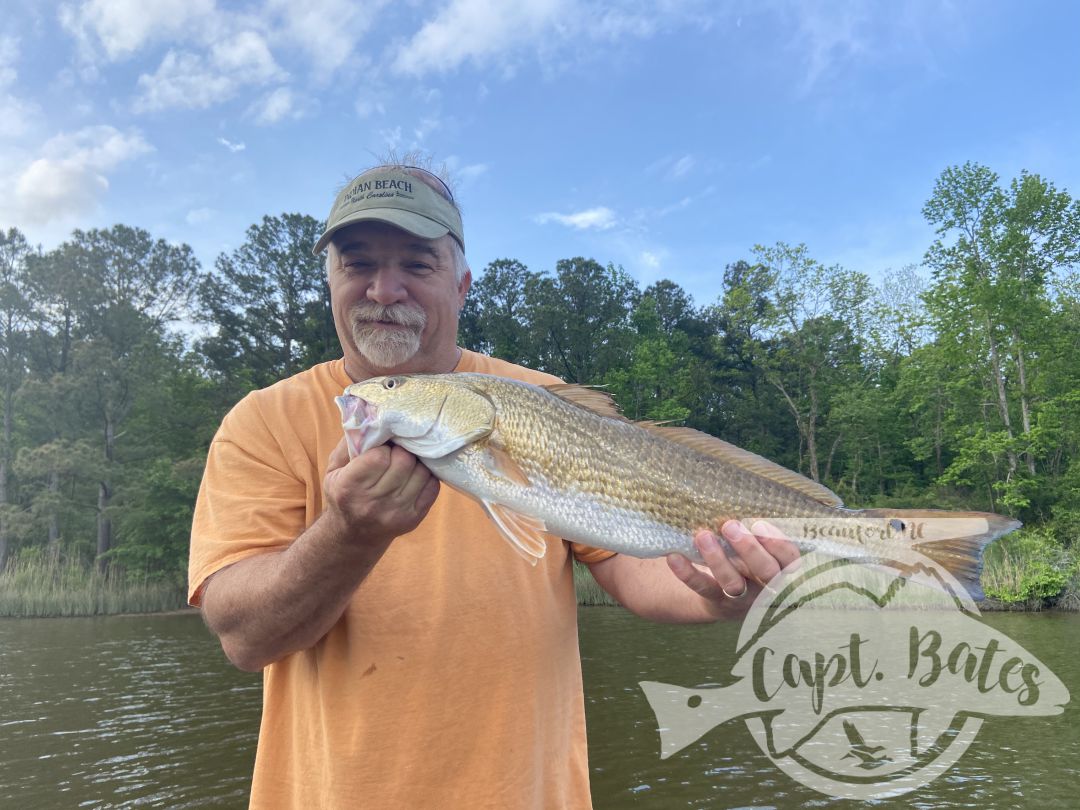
378,495
269,605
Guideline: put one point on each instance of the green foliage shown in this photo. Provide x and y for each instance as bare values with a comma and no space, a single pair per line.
1028,568
269,304
961,390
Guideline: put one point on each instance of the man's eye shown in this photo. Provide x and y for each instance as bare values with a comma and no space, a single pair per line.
419,267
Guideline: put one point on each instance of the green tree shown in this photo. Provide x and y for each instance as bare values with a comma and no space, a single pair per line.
269,306
497,316
132,287
16,315
581,318
994,260
817,317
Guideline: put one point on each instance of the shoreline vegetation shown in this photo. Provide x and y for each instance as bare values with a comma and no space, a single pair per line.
954,384
1025,572
38,586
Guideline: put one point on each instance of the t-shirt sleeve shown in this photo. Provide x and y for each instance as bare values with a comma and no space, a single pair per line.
249,502
588,554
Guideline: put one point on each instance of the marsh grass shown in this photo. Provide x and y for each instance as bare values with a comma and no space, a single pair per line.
1031,570
588,592
40,586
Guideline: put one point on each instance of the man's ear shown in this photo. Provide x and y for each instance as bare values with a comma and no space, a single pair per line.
463,288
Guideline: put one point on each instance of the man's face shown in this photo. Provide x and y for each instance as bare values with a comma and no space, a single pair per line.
395,300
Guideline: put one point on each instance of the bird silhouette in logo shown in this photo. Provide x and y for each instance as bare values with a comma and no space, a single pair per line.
859,749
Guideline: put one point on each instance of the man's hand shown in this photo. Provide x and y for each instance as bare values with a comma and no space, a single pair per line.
647,587
269,605
378,495
759,555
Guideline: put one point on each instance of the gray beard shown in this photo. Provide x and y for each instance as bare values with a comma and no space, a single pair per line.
387,348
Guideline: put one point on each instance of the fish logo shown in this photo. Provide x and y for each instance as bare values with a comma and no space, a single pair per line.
862,681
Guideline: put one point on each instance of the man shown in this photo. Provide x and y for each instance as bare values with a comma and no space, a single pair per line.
410,658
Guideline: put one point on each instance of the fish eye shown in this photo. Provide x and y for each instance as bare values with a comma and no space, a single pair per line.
390,382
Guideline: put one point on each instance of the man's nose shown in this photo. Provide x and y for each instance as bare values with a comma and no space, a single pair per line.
387,287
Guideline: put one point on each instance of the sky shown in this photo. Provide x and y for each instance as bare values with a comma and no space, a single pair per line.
665,136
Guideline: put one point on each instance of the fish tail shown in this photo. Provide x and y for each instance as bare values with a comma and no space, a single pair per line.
953,540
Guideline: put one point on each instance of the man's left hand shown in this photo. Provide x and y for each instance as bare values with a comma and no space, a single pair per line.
759,555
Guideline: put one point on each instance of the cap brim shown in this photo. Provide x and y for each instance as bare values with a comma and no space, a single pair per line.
416,224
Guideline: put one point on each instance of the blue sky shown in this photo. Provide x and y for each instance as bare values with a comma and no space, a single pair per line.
668,137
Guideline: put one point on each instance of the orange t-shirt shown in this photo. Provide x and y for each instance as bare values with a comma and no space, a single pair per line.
452,680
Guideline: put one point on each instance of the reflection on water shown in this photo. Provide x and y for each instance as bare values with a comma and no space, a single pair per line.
122,712
145,712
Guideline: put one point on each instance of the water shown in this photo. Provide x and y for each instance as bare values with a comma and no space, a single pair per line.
122,712
145,712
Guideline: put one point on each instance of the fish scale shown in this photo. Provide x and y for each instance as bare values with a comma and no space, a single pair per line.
562,460
624,467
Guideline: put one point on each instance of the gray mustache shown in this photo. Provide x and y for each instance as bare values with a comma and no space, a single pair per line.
401,314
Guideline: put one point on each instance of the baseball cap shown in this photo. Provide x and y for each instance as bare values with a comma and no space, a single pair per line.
392,195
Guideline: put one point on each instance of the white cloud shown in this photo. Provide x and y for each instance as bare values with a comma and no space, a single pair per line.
474,30
70,176
425,128
325,30
649,259
681,167
599,218
365,108
471,172
9,55
391,137
188,80
197,216
239,146
685,202
480,32
15,114
671,167
122,27
274,106
829,35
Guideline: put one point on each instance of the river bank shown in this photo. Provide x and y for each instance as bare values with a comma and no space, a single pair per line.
1024,575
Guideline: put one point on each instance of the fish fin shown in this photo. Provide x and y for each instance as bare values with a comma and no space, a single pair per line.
504,466
751,462
590,398
521,531
956,544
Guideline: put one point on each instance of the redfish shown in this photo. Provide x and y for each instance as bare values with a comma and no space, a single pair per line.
561,460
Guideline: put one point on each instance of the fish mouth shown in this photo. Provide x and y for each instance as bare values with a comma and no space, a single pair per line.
361,423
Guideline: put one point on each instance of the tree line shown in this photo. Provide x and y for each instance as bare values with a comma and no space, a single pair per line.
959,388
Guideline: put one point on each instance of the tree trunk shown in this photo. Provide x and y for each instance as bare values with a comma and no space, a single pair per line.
54,519
811,436
1003,401
805,427
832,452
104,523
1025,405
3,515
938,439
5,453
